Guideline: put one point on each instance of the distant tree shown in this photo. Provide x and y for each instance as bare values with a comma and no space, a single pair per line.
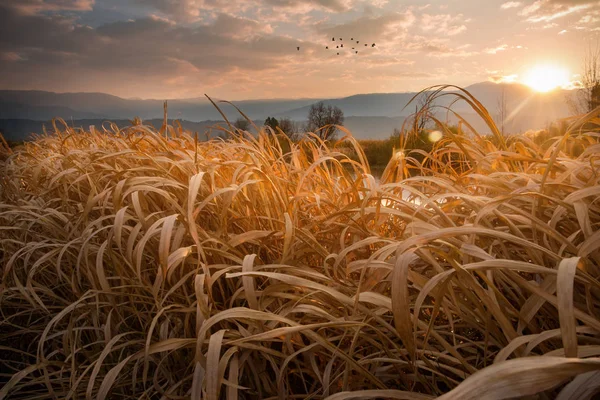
423,112
136,121
289,127
320,115
587,97
272,123
242,124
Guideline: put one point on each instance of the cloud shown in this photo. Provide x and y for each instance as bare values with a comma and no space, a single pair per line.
394,74
437,48
194,10
188,47
556,14
531,8
511,4
162,57
393,34
503,78
495,50
443,24
571,2
239,28
379,3
170,51
152,48
10,56
590,18
180,9
550,10
379,60
32,7
385,28
456,52
20,31
307,5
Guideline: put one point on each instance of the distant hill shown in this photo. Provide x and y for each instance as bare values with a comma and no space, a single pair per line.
547,106
360,127
363,105
367,115
22,129
373,127
14,110
101,105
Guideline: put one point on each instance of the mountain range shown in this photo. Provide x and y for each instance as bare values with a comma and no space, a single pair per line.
368,116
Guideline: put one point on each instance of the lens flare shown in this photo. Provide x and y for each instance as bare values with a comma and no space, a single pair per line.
434,136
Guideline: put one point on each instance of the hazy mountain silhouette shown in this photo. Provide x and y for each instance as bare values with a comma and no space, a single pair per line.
41,112
367,115
552,105
23,129
112,107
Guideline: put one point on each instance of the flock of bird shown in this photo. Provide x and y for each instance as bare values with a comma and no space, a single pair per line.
341,45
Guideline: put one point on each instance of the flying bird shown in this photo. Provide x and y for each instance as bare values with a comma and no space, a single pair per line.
365,45
338,54
340,38
327,47
337,47
357,41
351,38
341,45
373,45
356,52
298,48
333,39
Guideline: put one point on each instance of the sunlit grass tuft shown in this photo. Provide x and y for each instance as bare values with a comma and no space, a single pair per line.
144,264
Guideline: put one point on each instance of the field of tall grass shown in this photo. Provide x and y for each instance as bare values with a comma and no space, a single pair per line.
143,264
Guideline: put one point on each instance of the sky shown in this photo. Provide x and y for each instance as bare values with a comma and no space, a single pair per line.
242,49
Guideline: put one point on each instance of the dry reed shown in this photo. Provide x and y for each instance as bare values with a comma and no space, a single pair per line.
141,264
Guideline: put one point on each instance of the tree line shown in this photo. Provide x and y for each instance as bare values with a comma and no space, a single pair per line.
322,120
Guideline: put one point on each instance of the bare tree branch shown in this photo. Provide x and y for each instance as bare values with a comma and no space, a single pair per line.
322,116
587,98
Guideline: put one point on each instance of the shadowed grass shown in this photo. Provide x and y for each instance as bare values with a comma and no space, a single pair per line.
137,264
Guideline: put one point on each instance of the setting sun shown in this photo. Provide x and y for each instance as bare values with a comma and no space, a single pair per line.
544,78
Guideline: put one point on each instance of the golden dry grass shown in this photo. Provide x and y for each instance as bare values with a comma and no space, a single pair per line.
139,266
